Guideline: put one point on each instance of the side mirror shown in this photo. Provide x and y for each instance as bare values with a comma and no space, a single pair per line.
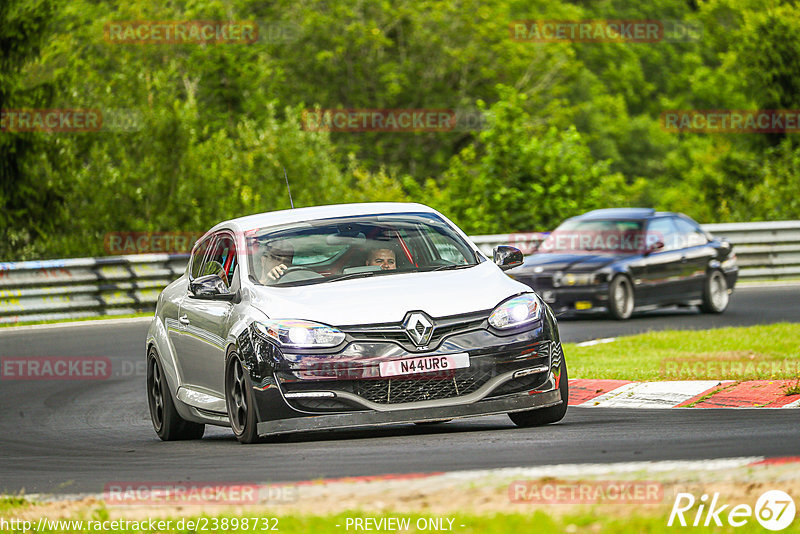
210,286
655,247
507,257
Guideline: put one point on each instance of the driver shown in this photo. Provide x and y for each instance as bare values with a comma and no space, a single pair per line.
275,261
382,257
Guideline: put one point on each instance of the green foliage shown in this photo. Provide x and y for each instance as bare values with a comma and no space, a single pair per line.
517,177
574,125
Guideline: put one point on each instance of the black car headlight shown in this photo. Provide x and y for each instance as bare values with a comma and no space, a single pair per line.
577,279
296,333
516,311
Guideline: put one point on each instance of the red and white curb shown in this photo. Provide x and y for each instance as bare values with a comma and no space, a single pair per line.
682,393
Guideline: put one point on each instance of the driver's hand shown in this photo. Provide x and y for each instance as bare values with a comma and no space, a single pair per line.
277,272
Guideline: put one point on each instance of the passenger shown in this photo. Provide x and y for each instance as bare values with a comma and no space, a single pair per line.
275,261
382,257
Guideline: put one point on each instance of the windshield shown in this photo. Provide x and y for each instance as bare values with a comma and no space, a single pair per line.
603,236
327,250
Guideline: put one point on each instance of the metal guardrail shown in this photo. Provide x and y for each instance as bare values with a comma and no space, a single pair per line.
116,285
84,287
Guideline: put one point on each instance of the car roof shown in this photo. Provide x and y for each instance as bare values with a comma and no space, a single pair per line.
617,213
274,218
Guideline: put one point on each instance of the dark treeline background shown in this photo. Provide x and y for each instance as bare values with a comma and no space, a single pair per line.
574,126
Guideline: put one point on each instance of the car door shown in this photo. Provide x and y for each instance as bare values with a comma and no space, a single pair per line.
661,274
175,320
206,321
695,257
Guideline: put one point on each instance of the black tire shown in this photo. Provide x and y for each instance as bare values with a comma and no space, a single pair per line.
715,293
551,414
239,400
167,423
620,298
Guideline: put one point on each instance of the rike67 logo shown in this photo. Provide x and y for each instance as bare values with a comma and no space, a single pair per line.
774,510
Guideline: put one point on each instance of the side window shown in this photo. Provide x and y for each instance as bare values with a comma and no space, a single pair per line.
222,259
662,229
198,256
688,234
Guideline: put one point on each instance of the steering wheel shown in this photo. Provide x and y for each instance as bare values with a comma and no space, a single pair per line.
296,269
312,274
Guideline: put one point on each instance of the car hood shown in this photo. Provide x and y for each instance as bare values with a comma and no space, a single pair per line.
387,298
555,261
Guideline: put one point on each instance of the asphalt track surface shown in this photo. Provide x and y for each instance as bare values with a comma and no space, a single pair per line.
66,437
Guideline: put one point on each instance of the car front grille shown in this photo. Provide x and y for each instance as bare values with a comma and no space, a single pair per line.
422,387
425,386
395,332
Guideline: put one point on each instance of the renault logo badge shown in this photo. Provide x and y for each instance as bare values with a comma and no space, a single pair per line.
419,328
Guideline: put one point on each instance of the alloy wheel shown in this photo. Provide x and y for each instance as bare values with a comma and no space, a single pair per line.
238,395
719,291
156,391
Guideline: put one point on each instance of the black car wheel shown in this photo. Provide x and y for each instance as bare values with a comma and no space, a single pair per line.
715,293
620,298
241,408
168,424
551,414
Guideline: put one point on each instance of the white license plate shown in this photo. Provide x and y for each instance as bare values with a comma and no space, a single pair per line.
424,364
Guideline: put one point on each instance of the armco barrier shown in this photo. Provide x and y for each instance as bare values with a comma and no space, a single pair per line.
86,287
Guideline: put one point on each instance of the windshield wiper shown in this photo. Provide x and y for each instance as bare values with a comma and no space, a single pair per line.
453,267
353,275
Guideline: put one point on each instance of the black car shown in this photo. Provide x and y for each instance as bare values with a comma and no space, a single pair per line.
630,259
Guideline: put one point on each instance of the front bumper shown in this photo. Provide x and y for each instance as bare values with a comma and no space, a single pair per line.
569,299
508,371
515,403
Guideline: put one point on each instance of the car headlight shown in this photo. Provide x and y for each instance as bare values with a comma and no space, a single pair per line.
577,279
299,334
516,311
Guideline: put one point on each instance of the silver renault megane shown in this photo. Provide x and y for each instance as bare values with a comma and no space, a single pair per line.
348,316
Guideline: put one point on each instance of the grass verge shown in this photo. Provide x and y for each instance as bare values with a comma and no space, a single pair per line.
763,352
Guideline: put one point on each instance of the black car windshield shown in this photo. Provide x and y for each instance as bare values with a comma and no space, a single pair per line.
326,250
597,236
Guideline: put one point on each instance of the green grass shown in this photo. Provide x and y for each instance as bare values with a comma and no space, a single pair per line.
761,352
79,320
12,503
589,521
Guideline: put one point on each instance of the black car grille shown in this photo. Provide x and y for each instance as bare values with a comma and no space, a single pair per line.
443,327
518,385
422,387
321,405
